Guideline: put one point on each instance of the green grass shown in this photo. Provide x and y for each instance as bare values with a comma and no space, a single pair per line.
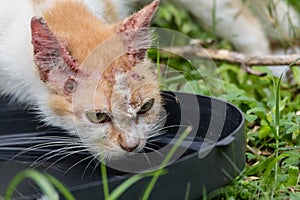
272,112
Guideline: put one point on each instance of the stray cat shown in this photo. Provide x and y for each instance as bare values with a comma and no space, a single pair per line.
52,58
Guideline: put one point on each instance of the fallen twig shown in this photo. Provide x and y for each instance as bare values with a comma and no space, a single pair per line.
244,60
235,57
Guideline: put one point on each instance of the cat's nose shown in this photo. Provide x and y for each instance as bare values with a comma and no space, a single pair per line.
129,148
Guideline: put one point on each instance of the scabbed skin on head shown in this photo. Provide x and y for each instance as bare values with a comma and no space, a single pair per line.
107,93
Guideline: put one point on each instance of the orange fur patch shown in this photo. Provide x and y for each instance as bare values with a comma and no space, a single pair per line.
83,30
60,105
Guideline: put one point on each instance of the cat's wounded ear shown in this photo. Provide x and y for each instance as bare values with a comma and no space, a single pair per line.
56,66
135,31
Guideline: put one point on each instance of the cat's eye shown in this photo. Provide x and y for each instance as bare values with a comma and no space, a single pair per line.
98,117
146,107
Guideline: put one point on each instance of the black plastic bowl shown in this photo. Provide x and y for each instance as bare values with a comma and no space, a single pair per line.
198,169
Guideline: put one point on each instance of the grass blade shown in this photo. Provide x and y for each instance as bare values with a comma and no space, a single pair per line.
41,180
128,183
62,189
277,108
159,172
293,176
105,181
277,126
188,191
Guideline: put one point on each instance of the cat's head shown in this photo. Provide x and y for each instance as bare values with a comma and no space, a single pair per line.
111,97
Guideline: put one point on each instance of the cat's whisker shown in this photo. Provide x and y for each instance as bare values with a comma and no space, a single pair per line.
175,126
156,127
154,150
144,155
97,163
25,138
52,144
38,147
101,158
52,140
42,137
158,123
93,159
153,131
153,144
77,163
171,96
56,153
162,117
156,134
170,126
60,159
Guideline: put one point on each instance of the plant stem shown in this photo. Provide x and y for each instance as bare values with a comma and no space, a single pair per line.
277,132
105,181
62,189
125,185
165,163
188,190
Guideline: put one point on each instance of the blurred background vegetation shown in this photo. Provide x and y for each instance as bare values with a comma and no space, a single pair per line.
273,138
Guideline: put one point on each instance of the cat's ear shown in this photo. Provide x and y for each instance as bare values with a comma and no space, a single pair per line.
56,66
135,31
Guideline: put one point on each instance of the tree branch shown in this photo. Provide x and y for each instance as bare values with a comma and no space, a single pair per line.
193,51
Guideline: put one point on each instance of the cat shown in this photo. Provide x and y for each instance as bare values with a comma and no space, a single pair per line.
83,68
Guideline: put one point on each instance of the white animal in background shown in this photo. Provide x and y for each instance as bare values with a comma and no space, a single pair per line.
251,25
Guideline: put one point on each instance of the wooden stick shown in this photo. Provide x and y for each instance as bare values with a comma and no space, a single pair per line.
193,51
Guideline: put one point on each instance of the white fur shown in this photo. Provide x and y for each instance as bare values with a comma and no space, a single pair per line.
248,32
246,24
18,75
